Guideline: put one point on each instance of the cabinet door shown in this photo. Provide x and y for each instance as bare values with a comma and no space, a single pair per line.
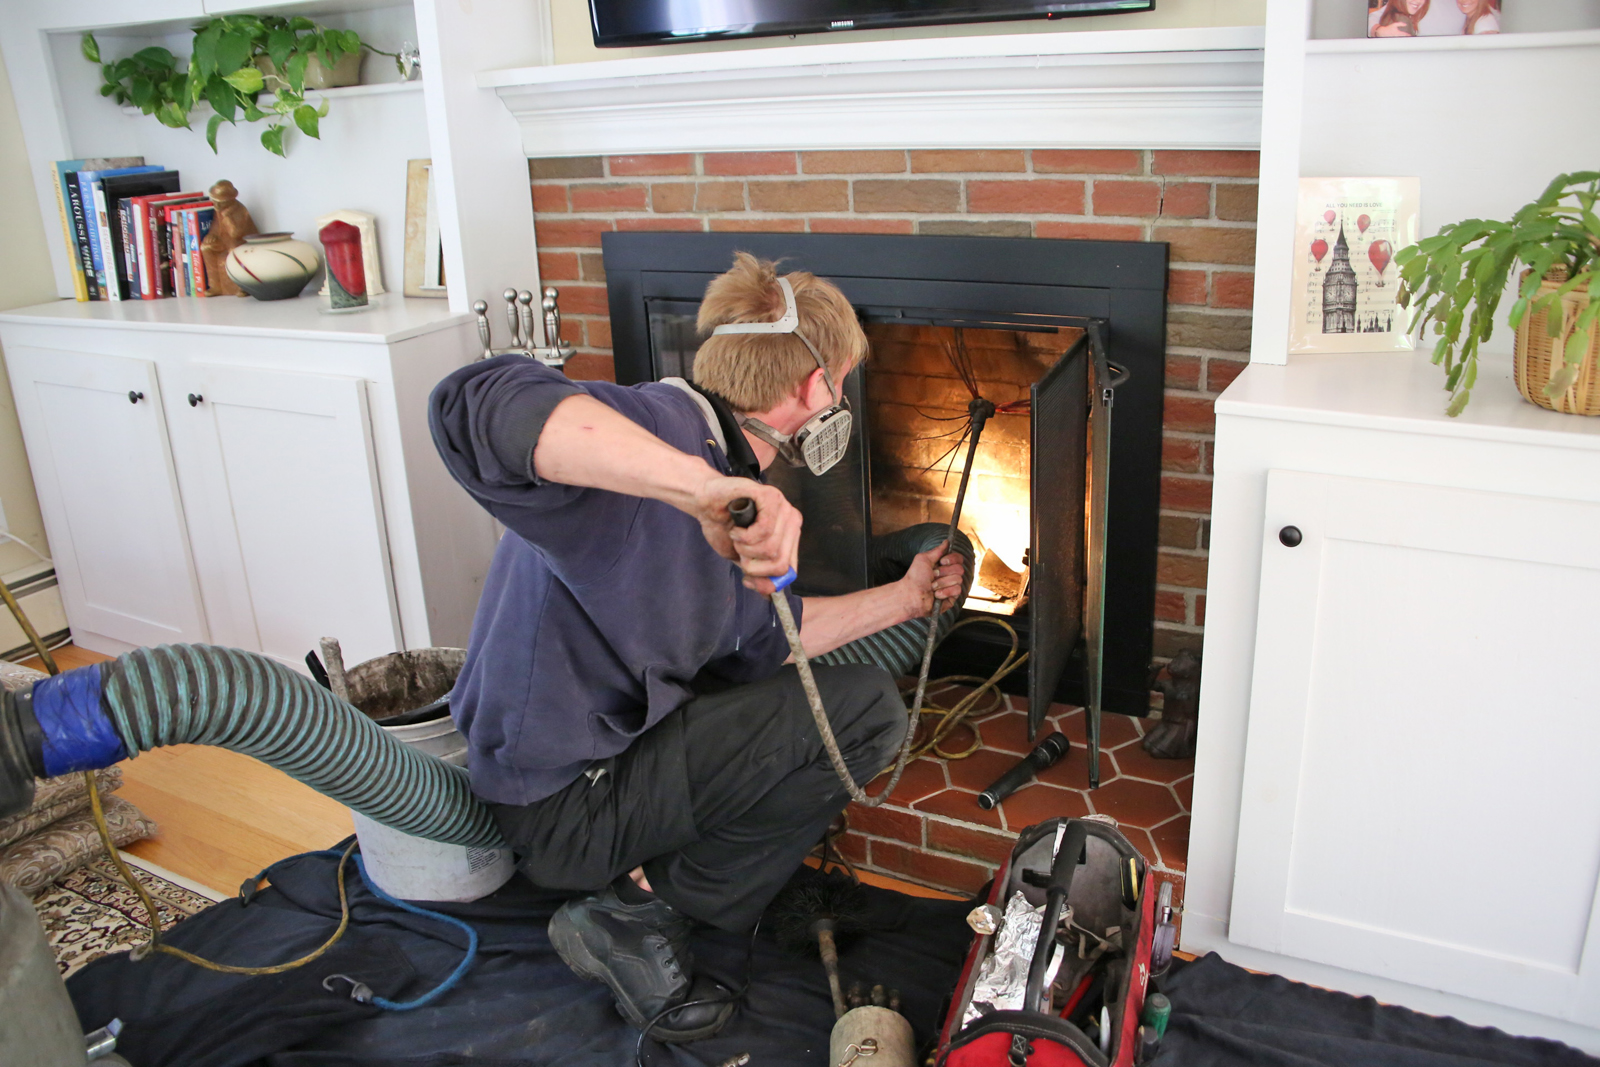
97,443
1420,798
294,546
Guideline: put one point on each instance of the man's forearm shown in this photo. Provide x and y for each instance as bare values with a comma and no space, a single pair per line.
586,443
828,622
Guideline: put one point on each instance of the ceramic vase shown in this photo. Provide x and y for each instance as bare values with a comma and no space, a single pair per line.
347,278
273,266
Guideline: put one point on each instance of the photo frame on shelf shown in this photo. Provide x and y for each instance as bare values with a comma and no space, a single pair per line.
1432,18
424,253
1346,283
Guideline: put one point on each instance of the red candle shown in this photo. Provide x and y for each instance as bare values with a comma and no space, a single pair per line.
342,243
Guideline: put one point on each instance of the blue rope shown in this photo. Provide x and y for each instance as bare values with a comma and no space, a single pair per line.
455,976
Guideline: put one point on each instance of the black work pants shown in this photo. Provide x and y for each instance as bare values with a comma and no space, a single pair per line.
720,801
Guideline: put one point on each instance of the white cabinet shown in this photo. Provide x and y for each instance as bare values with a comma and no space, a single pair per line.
97,440
1395,790
271,481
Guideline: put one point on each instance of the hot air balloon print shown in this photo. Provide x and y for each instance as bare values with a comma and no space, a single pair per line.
1363,222
1379,253
1329,215
1319,248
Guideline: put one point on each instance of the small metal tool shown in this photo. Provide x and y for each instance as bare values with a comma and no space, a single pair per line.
525,317
510,296
556,351
481,309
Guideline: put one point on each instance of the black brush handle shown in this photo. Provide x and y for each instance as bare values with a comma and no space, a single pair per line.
742,511
1061,872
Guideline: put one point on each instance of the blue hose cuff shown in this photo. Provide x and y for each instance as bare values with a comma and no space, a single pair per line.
78,736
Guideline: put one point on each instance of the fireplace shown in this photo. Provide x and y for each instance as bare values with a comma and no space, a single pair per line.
1042,328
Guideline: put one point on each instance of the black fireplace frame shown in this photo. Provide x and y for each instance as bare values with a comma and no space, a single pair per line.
1004,281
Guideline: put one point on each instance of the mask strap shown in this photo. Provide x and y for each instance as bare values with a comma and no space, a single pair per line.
788,323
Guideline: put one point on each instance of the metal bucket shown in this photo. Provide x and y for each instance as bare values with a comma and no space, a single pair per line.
37,1022
406,694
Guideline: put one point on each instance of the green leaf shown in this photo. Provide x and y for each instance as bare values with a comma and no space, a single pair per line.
141,91
322,113
245,79
222,97
205,49
156,56
170,114
213,124
329,56
279,44
233,52
90,48
123,68
295,70
272,139
352,41
252,113
300,22
305,117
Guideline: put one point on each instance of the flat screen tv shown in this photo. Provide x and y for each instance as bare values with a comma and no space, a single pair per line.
629,22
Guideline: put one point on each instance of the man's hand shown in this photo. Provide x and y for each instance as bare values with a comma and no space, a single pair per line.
933,574
767,548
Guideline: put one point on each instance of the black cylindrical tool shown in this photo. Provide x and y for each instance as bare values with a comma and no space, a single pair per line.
1048,751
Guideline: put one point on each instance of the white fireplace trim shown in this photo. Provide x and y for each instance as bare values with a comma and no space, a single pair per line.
1192,88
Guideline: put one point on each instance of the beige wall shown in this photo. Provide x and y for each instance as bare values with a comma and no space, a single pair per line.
25,278
574,43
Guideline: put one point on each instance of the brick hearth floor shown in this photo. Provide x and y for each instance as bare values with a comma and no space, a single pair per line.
933,832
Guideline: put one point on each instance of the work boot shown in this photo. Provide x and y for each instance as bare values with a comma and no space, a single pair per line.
641,951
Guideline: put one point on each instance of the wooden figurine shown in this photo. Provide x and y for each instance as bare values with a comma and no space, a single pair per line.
1173,736
229,228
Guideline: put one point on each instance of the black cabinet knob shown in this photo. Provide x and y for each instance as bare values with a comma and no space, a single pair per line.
194,400
134,397
1290,536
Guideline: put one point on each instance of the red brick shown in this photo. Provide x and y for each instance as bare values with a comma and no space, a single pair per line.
962,805
1199,615
1173,607
967,161
1237,203
1190,414
854,848
584,300
978,770
913,194
1220,373
926,868
758,225
1187,571
1187,200
570,233
672,197
1142,804
853,162
719,196
1041,195
1208,244
1037,802
1006,732
1210,164
750,163
1186,287
609,197
1126,198
588,367
549,198
923,777
1179,531
558,267
1185,494
1172,838
1088,231
565,168
592,265
1183,372
1134,762
1180,454
1233,289
1087,161
968,841
599,333
817,195
887,822
660,223
860,225
639,166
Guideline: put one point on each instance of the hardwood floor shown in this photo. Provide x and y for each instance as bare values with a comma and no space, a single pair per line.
224,816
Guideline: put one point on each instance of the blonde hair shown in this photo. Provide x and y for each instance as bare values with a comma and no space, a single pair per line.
755,372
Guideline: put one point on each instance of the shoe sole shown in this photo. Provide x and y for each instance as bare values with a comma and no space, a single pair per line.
575,954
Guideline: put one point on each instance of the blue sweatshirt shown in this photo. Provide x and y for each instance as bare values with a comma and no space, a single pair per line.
602,613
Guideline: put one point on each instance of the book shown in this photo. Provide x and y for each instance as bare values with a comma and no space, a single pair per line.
186,234
72,220
152,239
94,215
115,189
197,222
80,228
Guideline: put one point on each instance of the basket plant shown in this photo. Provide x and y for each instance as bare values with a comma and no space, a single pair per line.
1456,280
236,60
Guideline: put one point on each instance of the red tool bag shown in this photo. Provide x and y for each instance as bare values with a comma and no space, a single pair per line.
1100,935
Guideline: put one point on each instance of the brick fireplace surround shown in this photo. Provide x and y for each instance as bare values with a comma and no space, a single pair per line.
1202,203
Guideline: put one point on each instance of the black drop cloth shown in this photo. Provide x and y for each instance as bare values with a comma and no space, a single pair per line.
1224,1016
520,1006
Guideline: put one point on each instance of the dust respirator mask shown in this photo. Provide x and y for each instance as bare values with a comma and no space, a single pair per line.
822,441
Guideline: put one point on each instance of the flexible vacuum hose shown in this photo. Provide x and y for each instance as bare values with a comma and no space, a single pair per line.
204,695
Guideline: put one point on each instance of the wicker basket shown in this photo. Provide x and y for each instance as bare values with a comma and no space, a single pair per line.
1538,354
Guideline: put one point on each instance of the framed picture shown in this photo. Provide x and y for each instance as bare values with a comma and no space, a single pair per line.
424,253
1431,18
1347,232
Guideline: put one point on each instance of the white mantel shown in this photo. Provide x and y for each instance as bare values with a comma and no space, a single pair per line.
1183,88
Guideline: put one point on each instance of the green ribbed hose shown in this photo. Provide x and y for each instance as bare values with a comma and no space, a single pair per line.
205,695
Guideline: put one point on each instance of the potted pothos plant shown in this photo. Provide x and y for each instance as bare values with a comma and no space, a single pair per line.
253,67
1457,278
